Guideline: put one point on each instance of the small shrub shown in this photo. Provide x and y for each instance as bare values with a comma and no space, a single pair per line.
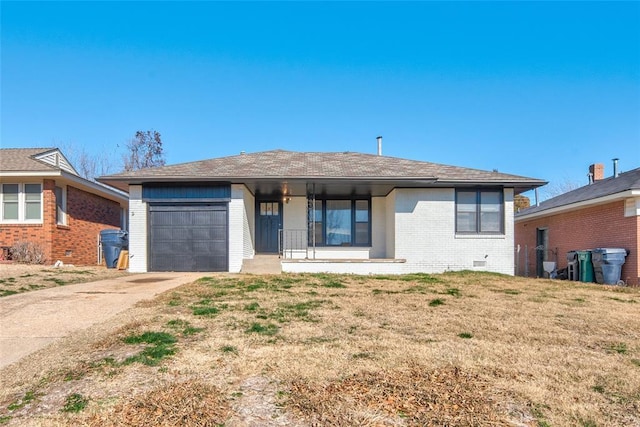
28,253
435,302
465,335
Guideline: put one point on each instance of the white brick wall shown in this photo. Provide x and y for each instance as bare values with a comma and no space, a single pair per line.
390,225
294,215
426,238
420,228
378,227
236,228
417,225
137,230
249,223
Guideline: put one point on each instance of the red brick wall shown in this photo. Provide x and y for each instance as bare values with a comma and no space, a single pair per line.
87,214
76,242
594,227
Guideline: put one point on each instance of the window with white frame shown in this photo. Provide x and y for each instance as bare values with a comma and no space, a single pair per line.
479,212
21,202
61,205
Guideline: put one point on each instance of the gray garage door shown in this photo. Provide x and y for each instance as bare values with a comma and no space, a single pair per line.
188,237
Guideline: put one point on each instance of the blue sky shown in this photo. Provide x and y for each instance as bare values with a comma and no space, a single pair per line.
539,89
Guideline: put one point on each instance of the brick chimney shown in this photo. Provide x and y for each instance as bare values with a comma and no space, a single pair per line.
596,172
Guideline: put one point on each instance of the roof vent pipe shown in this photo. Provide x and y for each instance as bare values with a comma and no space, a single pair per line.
379,145
615,167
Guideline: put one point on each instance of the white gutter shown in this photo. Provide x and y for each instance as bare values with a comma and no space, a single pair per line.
579,205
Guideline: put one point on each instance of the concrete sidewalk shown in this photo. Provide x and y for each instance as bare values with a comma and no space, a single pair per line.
32,320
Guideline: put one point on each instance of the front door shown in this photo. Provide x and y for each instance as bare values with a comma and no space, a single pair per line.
268,223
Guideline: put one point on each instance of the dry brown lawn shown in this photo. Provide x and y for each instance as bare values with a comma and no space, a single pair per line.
18,278
457,349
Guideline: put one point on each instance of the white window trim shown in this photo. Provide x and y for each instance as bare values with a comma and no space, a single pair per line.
64,206
22,205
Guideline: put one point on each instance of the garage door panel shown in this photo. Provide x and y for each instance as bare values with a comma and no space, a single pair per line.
188,237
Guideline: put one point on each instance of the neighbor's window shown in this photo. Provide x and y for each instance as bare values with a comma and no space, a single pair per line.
10,203
479,211
61,205
341,223
21,202
32,202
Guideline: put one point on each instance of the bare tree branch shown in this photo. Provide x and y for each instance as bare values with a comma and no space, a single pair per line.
144,151
89,166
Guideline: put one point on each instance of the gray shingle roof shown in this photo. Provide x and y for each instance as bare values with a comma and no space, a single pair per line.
606,187
21,160
282,164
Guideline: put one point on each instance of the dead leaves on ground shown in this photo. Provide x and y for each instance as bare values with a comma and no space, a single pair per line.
416,396
186,404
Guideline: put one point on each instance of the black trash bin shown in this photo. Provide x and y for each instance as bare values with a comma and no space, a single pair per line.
607,264
113,241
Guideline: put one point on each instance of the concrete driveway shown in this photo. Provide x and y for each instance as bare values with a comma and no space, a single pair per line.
32,320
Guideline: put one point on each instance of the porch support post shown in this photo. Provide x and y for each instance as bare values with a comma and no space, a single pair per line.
311,222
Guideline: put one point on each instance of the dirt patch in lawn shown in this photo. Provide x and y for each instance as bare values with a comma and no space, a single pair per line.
463,349
18,278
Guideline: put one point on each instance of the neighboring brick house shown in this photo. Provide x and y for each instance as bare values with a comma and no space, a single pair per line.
320,212
602,214
43,200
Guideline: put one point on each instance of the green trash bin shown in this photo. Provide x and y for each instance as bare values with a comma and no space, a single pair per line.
586,266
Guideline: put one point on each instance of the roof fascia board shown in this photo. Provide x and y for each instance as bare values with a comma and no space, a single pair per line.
101,189
97,187
241,179
54,173
578,205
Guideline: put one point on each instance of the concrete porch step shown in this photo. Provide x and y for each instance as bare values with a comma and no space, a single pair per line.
262,264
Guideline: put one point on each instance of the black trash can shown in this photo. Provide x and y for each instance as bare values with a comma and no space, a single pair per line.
607,264
113,241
